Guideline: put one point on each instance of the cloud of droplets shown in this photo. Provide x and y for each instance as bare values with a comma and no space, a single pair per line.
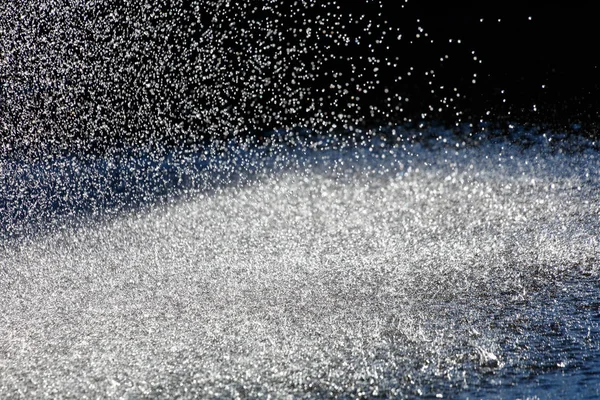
395,263
90,75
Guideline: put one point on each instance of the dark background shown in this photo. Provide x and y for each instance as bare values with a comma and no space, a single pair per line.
541,54
539,61
536,63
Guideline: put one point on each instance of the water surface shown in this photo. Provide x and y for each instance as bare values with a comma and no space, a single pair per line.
395,264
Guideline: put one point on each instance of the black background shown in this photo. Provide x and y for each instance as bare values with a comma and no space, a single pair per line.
539,61
542,54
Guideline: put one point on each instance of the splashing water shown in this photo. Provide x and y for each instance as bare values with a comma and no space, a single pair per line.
375,266
155,244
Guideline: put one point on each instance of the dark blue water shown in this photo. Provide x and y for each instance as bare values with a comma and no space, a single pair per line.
552,347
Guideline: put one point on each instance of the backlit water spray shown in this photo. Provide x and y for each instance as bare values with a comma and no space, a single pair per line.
140,260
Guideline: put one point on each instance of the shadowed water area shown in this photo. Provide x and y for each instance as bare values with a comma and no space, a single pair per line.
380,266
